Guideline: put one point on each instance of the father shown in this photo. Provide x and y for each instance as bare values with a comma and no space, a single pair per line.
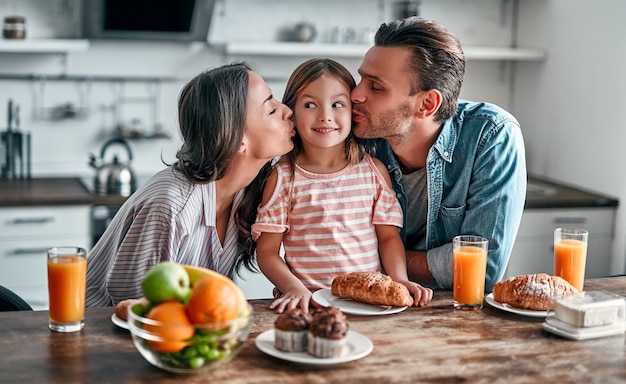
458,167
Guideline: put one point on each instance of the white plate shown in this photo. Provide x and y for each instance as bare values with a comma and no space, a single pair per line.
357,346
119,322
325,298
505,307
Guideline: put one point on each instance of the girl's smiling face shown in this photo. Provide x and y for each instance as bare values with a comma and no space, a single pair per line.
323,112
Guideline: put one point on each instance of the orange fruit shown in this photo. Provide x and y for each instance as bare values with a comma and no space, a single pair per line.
197,273
175,330
213,300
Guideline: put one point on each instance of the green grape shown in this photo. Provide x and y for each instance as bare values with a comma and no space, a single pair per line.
191,352
212,354
203,349
196,362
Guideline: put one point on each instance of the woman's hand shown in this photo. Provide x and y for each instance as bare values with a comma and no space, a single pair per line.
421,295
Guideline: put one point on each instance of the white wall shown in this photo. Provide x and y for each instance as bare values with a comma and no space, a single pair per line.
570,106
62,147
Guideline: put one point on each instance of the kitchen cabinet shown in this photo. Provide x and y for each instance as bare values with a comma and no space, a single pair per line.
534,251
25,235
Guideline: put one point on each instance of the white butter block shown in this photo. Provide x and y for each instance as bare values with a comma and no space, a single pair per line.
561,328
590,309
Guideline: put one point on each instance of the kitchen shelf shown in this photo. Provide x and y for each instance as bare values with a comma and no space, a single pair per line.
43,45
88,78
358,50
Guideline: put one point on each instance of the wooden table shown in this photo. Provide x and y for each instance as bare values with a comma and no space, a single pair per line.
432,344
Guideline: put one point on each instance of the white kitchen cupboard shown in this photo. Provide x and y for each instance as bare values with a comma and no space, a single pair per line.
25,235
534,250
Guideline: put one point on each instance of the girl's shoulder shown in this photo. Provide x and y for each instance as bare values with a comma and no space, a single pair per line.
284,168
379,168
373,162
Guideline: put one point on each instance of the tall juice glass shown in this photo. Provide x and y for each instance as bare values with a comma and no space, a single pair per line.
469,254
570,255
67,275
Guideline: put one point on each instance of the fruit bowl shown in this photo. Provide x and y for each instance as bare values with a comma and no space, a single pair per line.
169,347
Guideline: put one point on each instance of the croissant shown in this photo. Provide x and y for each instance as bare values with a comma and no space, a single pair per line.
121,308
372,288
533,291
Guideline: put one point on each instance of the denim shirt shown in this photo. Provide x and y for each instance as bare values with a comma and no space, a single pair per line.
476,175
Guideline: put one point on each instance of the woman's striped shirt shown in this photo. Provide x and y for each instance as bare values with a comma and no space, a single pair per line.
167,219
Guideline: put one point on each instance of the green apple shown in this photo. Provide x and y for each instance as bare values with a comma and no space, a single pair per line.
166,281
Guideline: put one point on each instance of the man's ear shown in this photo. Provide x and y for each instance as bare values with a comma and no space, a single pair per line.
429,103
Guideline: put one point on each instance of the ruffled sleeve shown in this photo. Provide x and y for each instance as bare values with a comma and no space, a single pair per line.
387,209
272,217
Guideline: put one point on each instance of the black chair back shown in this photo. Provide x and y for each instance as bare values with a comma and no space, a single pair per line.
10,301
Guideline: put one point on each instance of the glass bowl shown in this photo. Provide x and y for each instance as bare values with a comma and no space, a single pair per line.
211,346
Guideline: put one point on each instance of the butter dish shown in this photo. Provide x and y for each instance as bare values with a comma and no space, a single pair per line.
590,309
569,331
588,315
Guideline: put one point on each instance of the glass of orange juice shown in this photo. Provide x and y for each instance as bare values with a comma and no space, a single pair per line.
469,254
67,275
570,255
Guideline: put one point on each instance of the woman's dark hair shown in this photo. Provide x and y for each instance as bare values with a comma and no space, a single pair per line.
212,116
304,75
438,60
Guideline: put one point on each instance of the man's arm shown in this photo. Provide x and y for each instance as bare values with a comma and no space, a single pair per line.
417,267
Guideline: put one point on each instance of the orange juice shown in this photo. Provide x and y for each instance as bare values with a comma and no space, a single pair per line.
470,264
570,257
67,276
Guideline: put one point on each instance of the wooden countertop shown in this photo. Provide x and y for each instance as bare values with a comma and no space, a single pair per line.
51,191
431,344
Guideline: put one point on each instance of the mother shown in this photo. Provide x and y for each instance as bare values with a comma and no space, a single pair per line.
199,210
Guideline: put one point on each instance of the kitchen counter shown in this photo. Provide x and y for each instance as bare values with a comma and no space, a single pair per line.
51,191
431,344
545,193
541,193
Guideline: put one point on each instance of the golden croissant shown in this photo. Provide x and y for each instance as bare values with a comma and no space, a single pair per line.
372,288
532,291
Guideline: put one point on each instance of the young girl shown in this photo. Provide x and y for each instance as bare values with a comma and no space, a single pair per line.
328,203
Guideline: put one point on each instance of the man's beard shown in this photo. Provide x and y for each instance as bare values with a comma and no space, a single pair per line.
387,125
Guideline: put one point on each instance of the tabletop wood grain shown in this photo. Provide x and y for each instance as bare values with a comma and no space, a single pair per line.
432,344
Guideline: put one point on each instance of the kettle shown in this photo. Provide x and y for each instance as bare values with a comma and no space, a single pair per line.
114,178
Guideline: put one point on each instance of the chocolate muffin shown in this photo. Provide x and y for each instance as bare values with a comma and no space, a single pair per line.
290,333
327,332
